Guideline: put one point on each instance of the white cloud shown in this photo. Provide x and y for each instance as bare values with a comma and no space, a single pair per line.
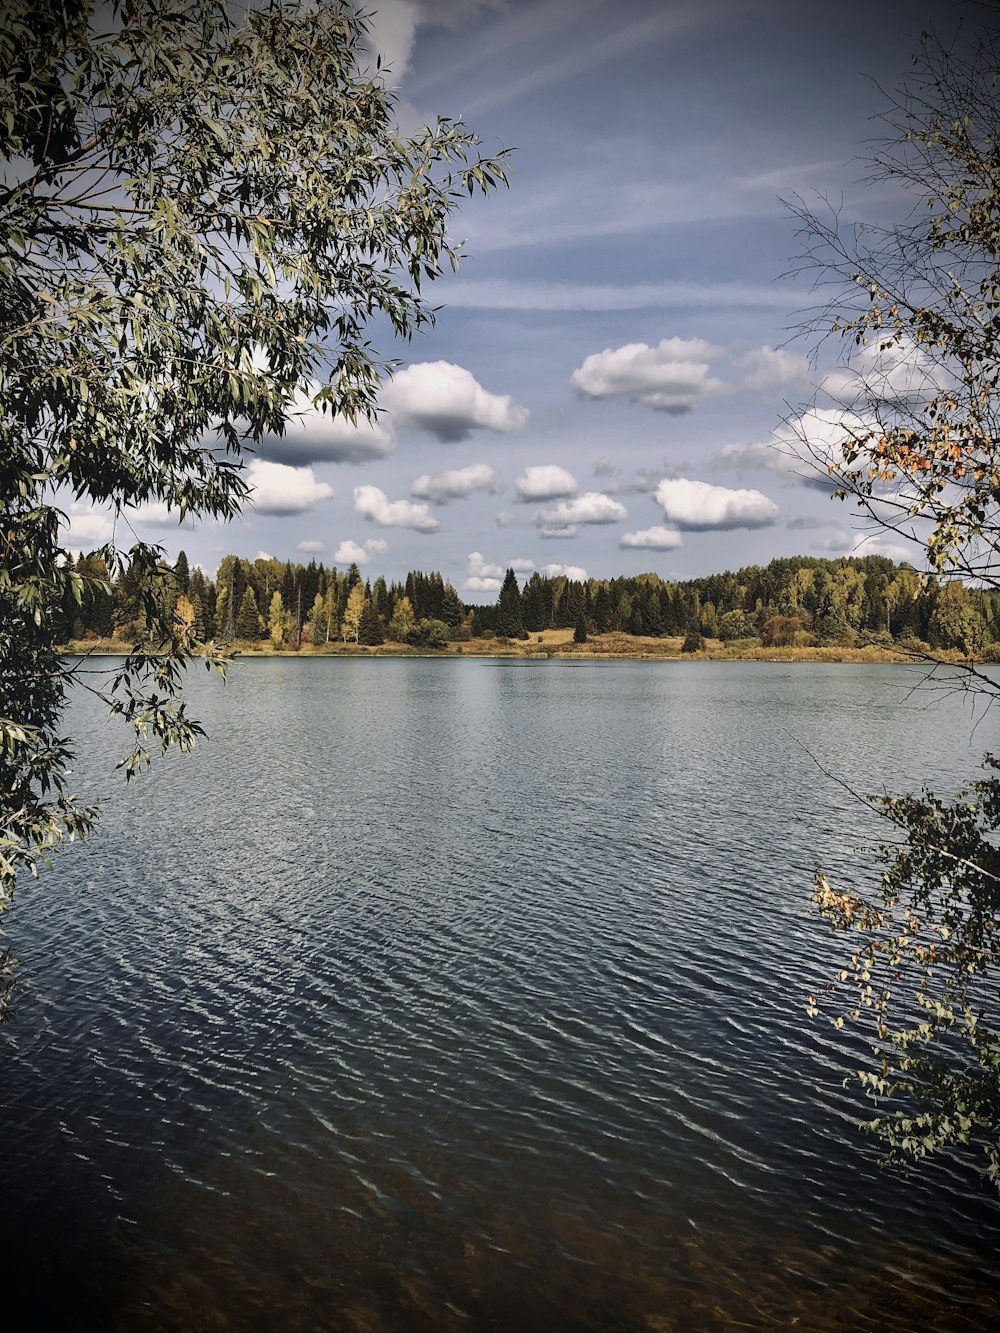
657,538
901,376
546,482
671,377
85,528
591,507
373,504
156,514
350,553
802,448
853,543
773,368
480,583
310,547
454,484
570,571
695,505
263,555
314,436
553,531
485,576
277,489
393,25
448,402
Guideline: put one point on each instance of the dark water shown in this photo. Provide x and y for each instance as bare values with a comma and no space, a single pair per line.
470,995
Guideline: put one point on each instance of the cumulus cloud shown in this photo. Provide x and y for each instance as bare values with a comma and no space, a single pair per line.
902,376
853,543
278,489
448,402
552,531
773,368
591,507
85,528
373,504
656,538
481,583
485,576
156,514
802,448
695,505
314,436
310,547
454,484
350,553
546,482
573,572
670,377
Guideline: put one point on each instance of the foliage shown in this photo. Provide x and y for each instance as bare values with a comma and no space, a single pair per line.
429,633
350,625
917,304
581,630
509,618
201,213
694,642
925,975
370,630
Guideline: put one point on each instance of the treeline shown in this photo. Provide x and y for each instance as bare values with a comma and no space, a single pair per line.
285,603
795,601
798,600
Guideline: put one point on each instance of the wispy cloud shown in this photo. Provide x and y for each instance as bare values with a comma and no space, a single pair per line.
507,294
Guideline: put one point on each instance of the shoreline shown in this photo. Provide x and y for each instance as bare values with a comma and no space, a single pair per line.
609,647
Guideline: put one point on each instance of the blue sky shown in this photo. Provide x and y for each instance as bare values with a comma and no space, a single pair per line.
612,362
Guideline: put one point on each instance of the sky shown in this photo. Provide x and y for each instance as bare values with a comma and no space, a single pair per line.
606,383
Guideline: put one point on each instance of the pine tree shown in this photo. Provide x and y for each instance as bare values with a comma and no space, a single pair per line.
452,610
248,625
581,632
370,629
182,573
510,621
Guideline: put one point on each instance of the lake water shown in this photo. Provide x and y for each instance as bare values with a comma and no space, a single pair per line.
470,994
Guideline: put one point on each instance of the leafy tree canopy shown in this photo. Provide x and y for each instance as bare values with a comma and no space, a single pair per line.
201,212
918,304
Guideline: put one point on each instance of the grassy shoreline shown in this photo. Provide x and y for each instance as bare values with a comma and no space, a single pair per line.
559,644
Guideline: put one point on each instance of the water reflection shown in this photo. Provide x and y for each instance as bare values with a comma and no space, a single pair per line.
461,995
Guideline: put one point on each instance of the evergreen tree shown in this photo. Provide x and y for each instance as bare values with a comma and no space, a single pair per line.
510,621
248,624
452,610
370,629
182,573
580,633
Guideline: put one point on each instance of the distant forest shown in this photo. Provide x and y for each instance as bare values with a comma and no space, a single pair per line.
795,601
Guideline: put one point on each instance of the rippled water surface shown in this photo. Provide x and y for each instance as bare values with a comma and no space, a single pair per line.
470,995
